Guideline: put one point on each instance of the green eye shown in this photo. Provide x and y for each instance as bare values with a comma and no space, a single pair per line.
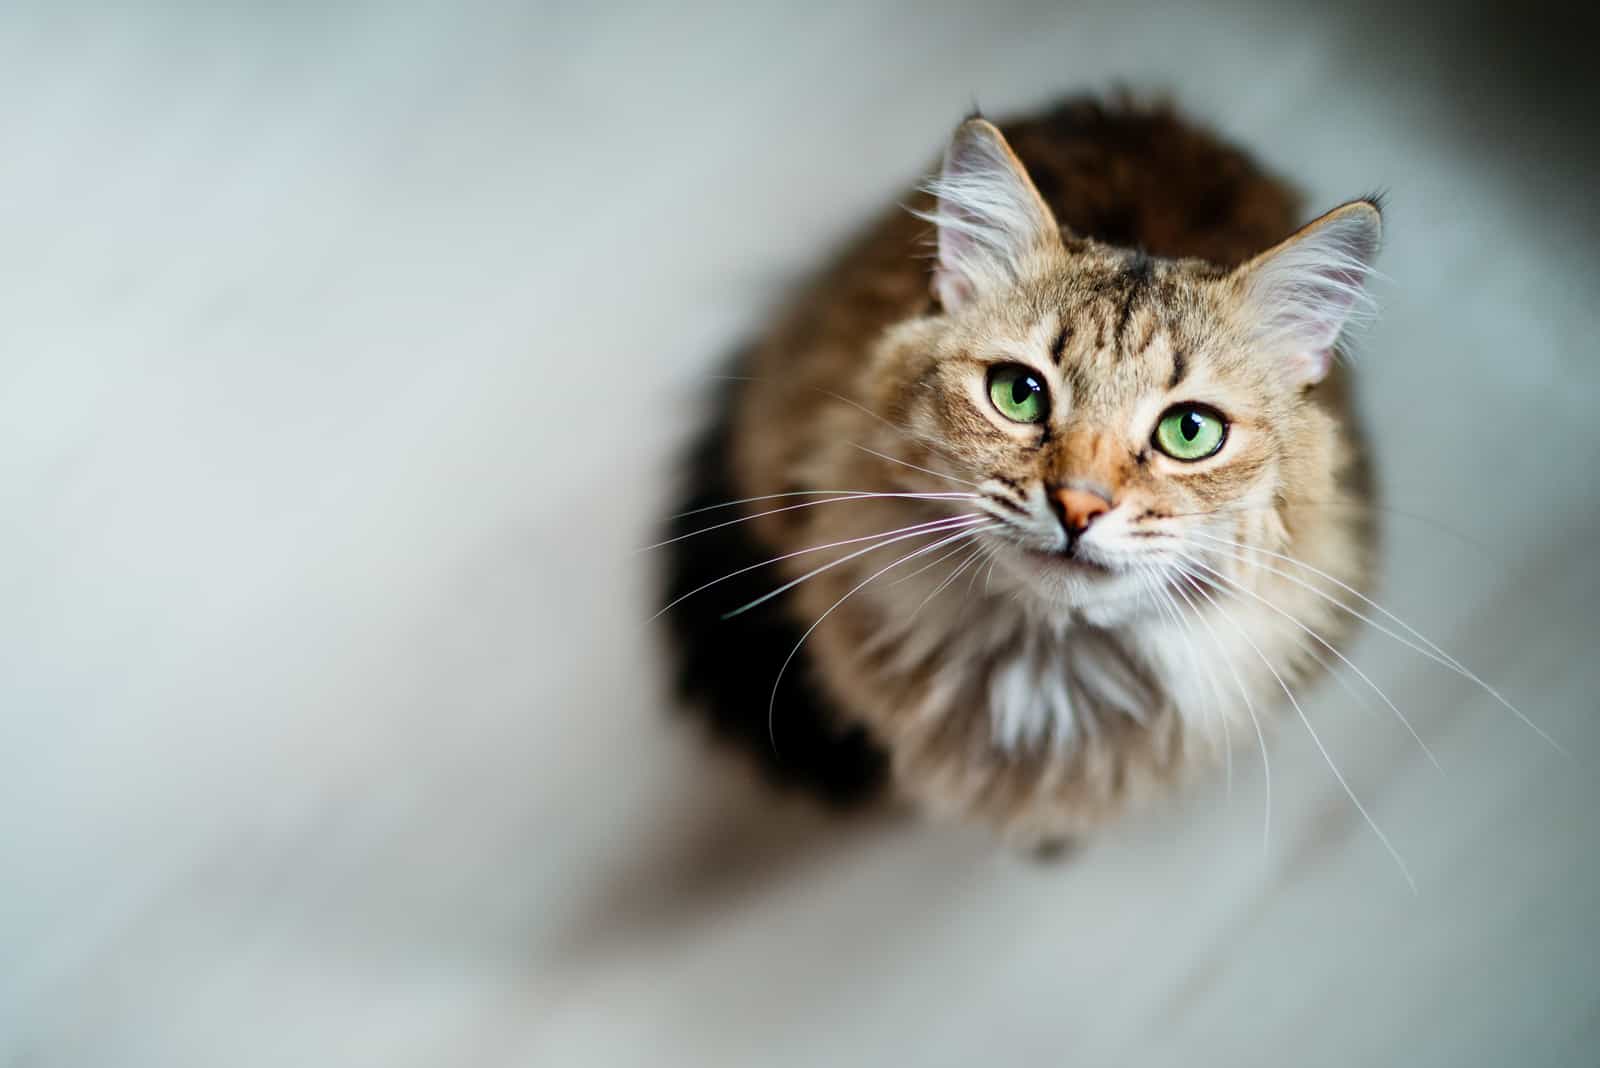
1190,432
1018,394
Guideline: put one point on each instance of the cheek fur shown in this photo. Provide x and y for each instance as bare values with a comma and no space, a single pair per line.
968,430
1160,495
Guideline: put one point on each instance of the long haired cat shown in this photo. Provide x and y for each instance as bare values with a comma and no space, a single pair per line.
1023,526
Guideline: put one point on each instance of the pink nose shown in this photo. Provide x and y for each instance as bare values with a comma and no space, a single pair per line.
1079,508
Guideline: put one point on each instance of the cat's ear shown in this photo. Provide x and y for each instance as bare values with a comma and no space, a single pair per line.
990,218
1300,294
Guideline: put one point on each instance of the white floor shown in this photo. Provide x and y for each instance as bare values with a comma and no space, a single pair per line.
343,358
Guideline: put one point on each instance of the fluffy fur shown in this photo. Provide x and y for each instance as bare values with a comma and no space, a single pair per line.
1010,667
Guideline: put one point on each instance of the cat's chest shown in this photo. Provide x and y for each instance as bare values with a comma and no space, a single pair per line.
1040,686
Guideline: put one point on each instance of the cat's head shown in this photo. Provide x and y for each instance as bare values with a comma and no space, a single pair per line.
1111,407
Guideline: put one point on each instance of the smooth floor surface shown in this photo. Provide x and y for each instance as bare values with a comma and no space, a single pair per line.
344,355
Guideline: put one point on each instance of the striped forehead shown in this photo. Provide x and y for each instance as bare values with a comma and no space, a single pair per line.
1107,349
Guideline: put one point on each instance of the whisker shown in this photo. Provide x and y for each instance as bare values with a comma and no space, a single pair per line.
931,525
772,701
1325,644
1244,694
955,574
906,432
806,504
989,554
914,467
849,494
953,523
1334,671
1195,660
935,562
1326,756
1437,524
1255,509
1436,654
1358,507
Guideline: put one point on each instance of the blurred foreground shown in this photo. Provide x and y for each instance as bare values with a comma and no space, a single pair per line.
344,358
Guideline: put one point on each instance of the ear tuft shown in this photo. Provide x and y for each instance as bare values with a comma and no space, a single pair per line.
988,213
1301,293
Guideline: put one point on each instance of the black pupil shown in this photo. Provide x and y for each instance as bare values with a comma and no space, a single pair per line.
1189,426
1023,387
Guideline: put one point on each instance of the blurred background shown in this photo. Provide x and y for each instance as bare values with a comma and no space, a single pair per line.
345,352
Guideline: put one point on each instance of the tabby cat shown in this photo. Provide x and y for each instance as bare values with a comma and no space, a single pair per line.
1014,509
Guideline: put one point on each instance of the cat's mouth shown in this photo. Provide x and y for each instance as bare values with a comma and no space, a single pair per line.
1066,560
1073,583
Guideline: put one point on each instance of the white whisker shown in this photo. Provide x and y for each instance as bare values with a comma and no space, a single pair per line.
955,574
772,701
1327,645
954,523
1244,694
989,554
907,433
1432,652
955,495
1326,756
1159,585
1335,672
935,562
930,526
914,467
792,507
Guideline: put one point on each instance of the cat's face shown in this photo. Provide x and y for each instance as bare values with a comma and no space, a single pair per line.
1114,410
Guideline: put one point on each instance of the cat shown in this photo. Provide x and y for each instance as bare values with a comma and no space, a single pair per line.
1027,529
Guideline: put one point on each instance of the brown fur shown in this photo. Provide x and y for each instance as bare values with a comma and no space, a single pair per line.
864,360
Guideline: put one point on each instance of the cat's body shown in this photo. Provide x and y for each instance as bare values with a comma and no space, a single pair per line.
1068,669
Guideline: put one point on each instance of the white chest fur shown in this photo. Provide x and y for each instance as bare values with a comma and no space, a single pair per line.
1052,685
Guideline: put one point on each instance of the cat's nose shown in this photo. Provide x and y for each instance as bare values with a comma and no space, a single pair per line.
1079,507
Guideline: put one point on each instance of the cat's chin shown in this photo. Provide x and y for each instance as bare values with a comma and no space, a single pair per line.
1074,588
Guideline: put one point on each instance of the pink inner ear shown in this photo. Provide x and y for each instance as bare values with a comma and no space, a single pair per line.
951,289
1303,292
1309,367
988,214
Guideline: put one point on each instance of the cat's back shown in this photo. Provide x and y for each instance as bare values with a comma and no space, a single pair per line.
1141,176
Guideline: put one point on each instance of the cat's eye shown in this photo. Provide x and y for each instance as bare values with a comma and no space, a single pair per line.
1018,394
1190,432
